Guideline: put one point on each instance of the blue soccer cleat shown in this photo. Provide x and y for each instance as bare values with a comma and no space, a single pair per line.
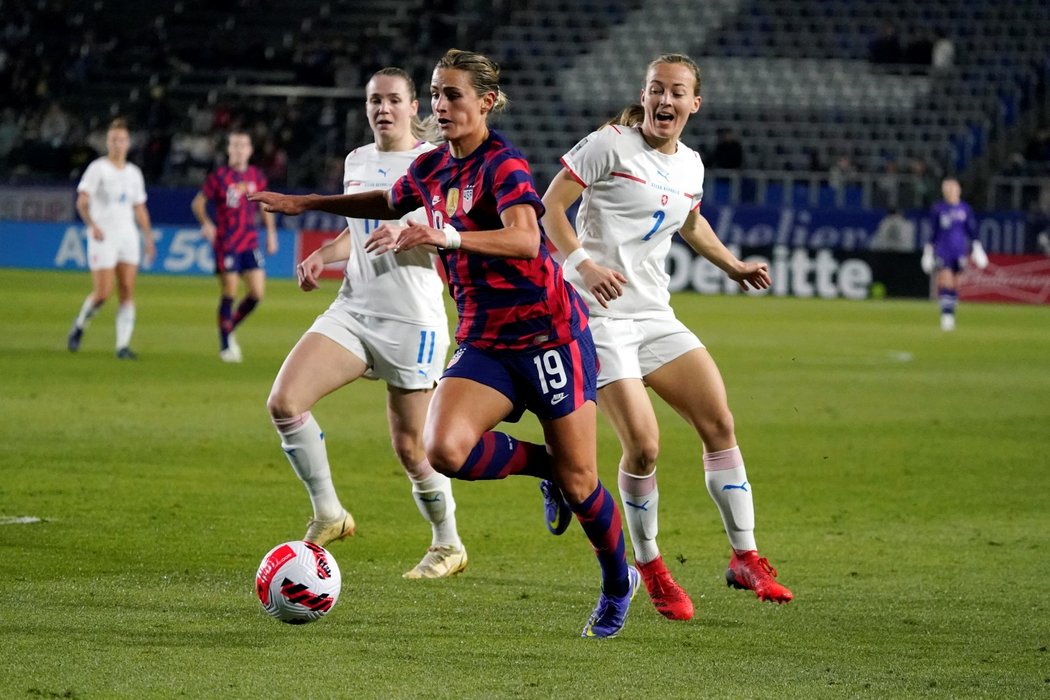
556,510
610,614
73,340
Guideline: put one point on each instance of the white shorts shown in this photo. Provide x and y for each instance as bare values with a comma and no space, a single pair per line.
114,248
404,355
631,348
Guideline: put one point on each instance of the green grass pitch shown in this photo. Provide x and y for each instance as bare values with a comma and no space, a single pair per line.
901,482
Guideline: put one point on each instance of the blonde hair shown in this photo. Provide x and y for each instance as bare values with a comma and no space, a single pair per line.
631,115
679,58
483,70
118,123
422,129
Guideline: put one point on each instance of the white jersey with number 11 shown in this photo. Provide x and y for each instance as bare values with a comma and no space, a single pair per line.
403,286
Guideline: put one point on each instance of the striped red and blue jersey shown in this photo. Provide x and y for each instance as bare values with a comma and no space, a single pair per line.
503,303
235,216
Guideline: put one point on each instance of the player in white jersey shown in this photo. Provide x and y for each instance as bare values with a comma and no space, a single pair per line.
111,201
640,185
388,322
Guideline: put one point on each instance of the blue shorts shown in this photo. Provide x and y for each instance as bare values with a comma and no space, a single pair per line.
239,262
950,258
550,382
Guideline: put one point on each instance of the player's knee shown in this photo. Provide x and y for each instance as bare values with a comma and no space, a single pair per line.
281,404
447,453
717,429
578,482
640,458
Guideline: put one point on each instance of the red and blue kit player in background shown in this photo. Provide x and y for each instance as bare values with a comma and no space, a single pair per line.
523,338
234,235
954,238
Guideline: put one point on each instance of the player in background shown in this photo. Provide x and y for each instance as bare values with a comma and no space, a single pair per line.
522,332
954,238
111,201
640,185
234,236
388,322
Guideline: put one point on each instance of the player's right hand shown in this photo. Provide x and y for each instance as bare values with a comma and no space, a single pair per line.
290,204
96,233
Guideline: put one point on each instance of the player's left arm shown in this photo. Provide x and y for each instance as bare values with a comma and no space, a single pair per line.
977,254
697,232
519,237
270,222
142,219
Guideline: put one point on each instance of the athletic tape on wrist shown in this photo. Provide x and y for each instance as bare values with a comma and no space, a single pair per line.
576,257
452,238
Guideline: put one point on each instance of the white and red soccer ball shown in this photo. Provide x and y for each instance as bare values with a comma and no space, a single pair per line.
298,582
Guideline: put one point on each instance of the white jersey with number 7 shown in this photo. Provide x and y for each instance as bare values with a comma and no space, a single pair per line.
635,199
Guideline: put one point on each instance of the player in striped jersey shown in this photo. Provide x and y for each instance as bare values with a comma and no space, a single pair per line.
954,238
388,322
523,338
234,236
640,185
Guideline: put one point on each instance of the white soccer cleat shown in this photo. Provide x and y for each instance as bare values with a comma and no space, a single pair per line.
232,344
439,562
323,532
947,322
228,355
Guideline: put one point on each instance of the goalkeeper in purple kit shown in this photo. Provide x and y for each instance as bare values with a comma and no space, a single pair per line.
954,239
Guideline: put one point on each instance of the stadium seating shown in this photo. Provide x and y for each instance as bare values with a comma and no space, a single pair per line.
819,123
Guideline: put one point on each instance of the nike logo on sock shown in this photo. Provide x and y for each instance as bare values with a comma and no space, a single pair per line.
730,487
437,497
639,506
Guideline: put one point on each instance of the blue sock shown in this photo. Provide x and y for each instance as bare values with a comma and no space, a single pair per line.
948,299
225,321
498,455
246,306
600,519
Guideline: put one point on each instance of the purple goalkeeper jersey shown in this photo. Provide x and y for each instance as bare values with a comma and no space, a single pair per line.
954,228
503,303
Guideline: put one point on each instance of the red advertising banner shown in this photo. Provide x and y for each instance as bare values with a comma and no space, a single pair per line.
1021,279
309,241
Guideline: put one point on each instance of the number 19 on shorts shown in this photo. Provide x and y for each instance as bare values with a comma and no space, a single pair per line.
550,371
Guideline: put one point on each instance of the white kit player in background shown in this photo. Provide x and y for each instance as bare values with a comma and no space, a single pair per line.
111,201
388,322
640,185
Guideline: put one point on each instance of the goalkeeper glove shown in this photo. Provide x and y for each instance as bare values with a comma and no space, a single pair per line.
978,256
927,258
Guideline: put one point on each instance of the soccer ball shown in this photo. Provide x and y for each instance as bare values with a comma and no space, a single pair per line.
298,582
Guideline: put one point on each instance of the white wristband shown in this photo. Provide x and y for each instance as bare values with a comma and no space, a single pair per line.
575,258
452,238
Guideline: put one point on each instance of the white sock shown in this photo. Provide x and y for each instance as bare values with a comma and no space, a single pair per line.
87,311
125,324
433,497
729,488
640,500
303,443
